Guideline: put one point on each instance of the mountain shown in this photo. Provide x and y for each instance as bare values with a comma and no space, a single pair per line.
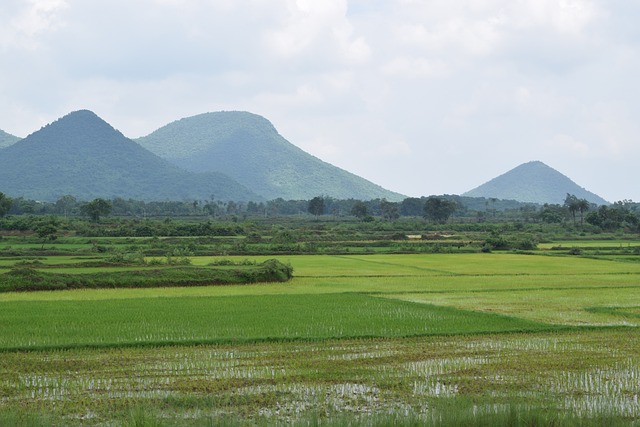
7,139
248,148
533,182
82,155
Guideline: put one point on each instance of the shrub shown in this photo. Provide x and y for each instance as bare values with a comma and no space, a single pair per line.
527,244
575,251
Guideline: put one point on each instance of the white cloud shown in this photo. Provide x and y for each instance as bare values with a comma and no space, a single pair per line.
318,26
570,17
27,23
616,133
415,67
395,147
474,37
569,144
303,96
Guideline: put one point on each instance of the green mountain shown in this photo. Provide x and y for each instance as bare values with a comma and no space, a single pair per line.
248,148
533,182
82,155
7,139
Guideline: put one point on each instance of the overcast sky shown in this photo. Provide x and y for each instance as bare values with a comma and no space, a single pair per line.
420,96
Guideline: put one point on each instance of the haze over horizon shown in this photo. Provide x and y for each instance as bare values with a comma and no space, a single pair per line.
419,97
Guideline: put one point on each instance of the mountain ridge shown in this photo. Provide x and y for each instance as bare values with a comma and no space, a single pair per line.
248,148
82,155
533,182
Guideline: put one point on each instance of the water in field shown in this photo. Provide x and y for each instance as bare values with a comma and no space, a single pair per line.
584,374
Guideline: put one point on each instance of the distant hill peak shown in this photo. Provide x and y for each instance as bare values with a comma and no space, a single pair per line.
248,148
204,130
83,155
81,113
83,121
77,116
533,182
7,139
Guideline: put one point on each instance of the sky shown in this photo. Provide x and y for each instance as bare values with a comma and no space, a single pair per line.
421,97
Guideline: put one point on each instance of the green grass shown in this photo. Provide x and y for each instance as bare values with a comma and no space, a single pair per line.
609,243
544,289
554,306
161,321
478,264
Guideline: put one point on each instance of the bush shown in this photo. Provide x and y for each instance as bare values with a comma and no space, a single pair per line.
527,244
497,242
277,271
575,251
126,258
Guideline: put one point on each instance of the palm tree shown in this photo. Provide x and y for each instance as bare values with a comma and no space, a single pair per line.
571,203
583,206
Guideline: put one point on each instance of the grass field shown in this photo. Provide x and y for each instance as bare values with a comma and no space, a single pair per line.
440,339
613,243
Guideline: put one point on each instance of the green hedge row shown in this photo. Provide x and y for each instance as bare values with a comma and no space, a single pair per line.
30,279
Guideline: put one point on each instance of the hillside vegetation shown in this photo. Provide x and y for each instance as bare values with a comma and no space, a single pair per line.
82,155
533,182
7,139
249,149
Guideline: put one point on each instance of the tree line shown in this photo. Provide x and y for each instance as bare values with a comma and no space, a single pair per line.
436,209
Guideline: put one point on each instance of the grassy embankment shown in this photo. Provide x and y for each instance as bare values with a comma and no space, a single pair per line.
28,277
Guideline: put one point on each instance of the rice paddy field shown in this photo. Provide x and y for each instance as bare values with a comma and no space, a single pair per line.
420,339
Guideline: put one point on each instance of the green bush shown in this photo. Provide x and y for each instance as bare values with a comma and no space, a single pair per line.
575,251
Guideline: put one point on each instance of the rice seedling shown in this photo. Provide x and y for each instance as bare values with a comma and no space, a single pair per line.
573,376
439,339
154,321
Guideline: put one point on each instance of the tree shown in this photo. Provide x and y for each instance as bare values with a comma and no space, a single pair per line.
359,210
583,206
232,207
211,209
316,206
553,214
274,207
613,218
492,201
47,232
96,208
5,204
571,202
66,204
389,210
411,206
438,209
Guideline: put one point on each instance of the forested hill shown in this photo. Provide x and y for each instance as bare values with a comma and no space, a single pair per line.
534,182
248,148
82,155
7,139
